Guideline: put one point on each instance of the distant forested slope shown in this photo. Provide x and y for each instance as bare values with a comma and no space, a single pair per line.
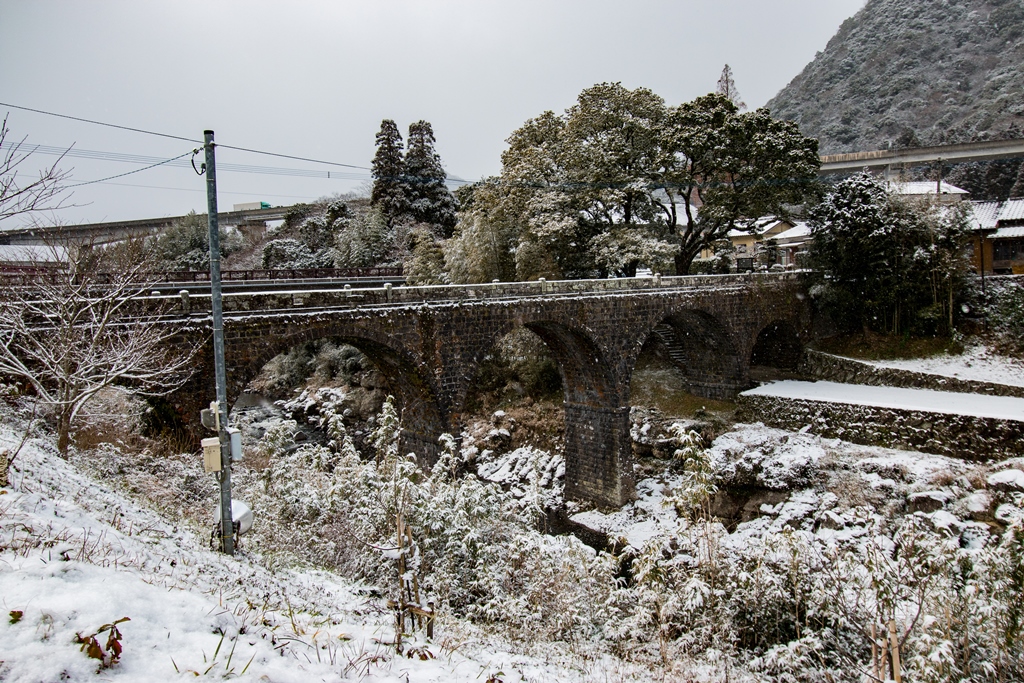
914,72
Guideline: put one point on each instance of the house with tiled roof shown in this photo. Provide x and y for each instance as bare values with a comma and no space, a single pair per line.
999,231
939,192
791,242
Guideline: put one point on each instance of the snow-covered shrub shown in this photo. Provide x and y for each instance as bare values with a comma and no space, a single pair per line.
289,253
366,241
1009,316
694,497
801,605
471,548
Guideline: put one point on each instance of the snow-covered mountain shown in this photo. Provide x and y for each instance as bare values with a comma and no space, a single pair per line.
909,72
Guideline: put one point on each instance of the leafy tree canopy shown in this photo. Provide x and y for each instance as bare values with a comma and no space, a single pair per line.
616,181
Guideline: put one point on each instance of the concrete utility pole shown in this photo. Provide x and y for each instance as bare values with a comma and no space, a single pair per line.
227,527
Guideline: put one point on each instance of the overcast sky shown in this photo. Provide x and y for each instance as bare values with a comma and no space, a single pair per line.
314,79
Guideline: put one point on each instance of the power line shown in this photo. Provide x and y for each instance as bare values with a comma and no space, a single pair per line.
100,123
138,170
288,156
178,137
219,191
97,155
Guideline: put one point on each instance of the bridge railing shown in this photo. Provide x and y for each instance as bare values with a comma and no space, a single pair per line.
24,275
308,297
276,274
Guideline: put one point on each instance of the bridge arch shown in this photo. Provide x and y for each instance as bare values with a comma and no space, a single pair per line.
584,368
598,450
777,345
703,349
423,420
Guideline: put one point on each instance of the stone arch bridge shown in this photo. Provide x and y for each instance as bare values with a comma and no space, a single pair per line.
428,343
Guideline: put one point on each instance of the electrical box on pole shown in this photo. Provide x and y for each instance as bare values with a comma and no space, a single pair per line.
210,417
211,454
235,437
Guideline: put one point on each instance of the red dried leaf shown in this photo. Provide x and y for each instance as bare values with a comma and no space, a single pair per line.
93,648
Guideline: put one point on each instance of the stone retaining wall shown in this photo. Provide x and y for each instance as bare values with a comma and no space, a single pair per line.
849,371
960,436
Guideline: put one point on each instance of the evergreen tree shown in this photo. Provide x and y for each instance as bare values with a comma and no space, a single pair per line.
727,89
1018,187
429,200
388,165
886,264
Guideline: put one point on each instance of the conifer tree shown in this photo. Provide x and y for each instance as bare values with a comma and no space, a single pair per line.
727,88
429,200
1018,187
388,165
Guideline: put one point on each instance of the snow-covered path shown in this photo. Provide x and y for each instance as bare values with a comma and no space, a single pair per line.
976,405
976,363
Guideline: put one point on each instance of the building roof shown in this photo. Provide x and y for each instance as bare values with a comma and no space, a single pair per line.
1012,210
984,215
1003,233
989,215
762,225
922,187
798,234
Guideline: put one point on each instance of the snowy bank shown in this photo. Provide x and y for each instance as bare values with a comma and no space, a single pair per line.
899,398
966,426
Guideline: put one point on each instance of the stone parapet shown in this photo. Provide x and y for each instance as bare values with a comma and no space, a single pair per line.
309,296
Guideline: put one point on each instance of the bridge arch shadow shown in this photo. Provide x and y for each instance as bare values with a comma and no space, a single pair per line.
422,418
776,351
703,350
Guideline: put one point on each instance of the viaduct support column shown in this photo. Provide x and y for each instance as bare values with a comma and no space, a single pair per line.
598,454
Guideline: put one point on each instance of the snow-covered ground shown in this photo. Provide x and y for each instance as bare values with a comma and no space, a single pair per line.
76,555
976,363
832,489
977,405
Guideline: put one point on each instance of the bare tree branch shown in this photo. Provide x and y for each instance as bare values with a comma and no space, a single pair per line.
70,334
24,193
